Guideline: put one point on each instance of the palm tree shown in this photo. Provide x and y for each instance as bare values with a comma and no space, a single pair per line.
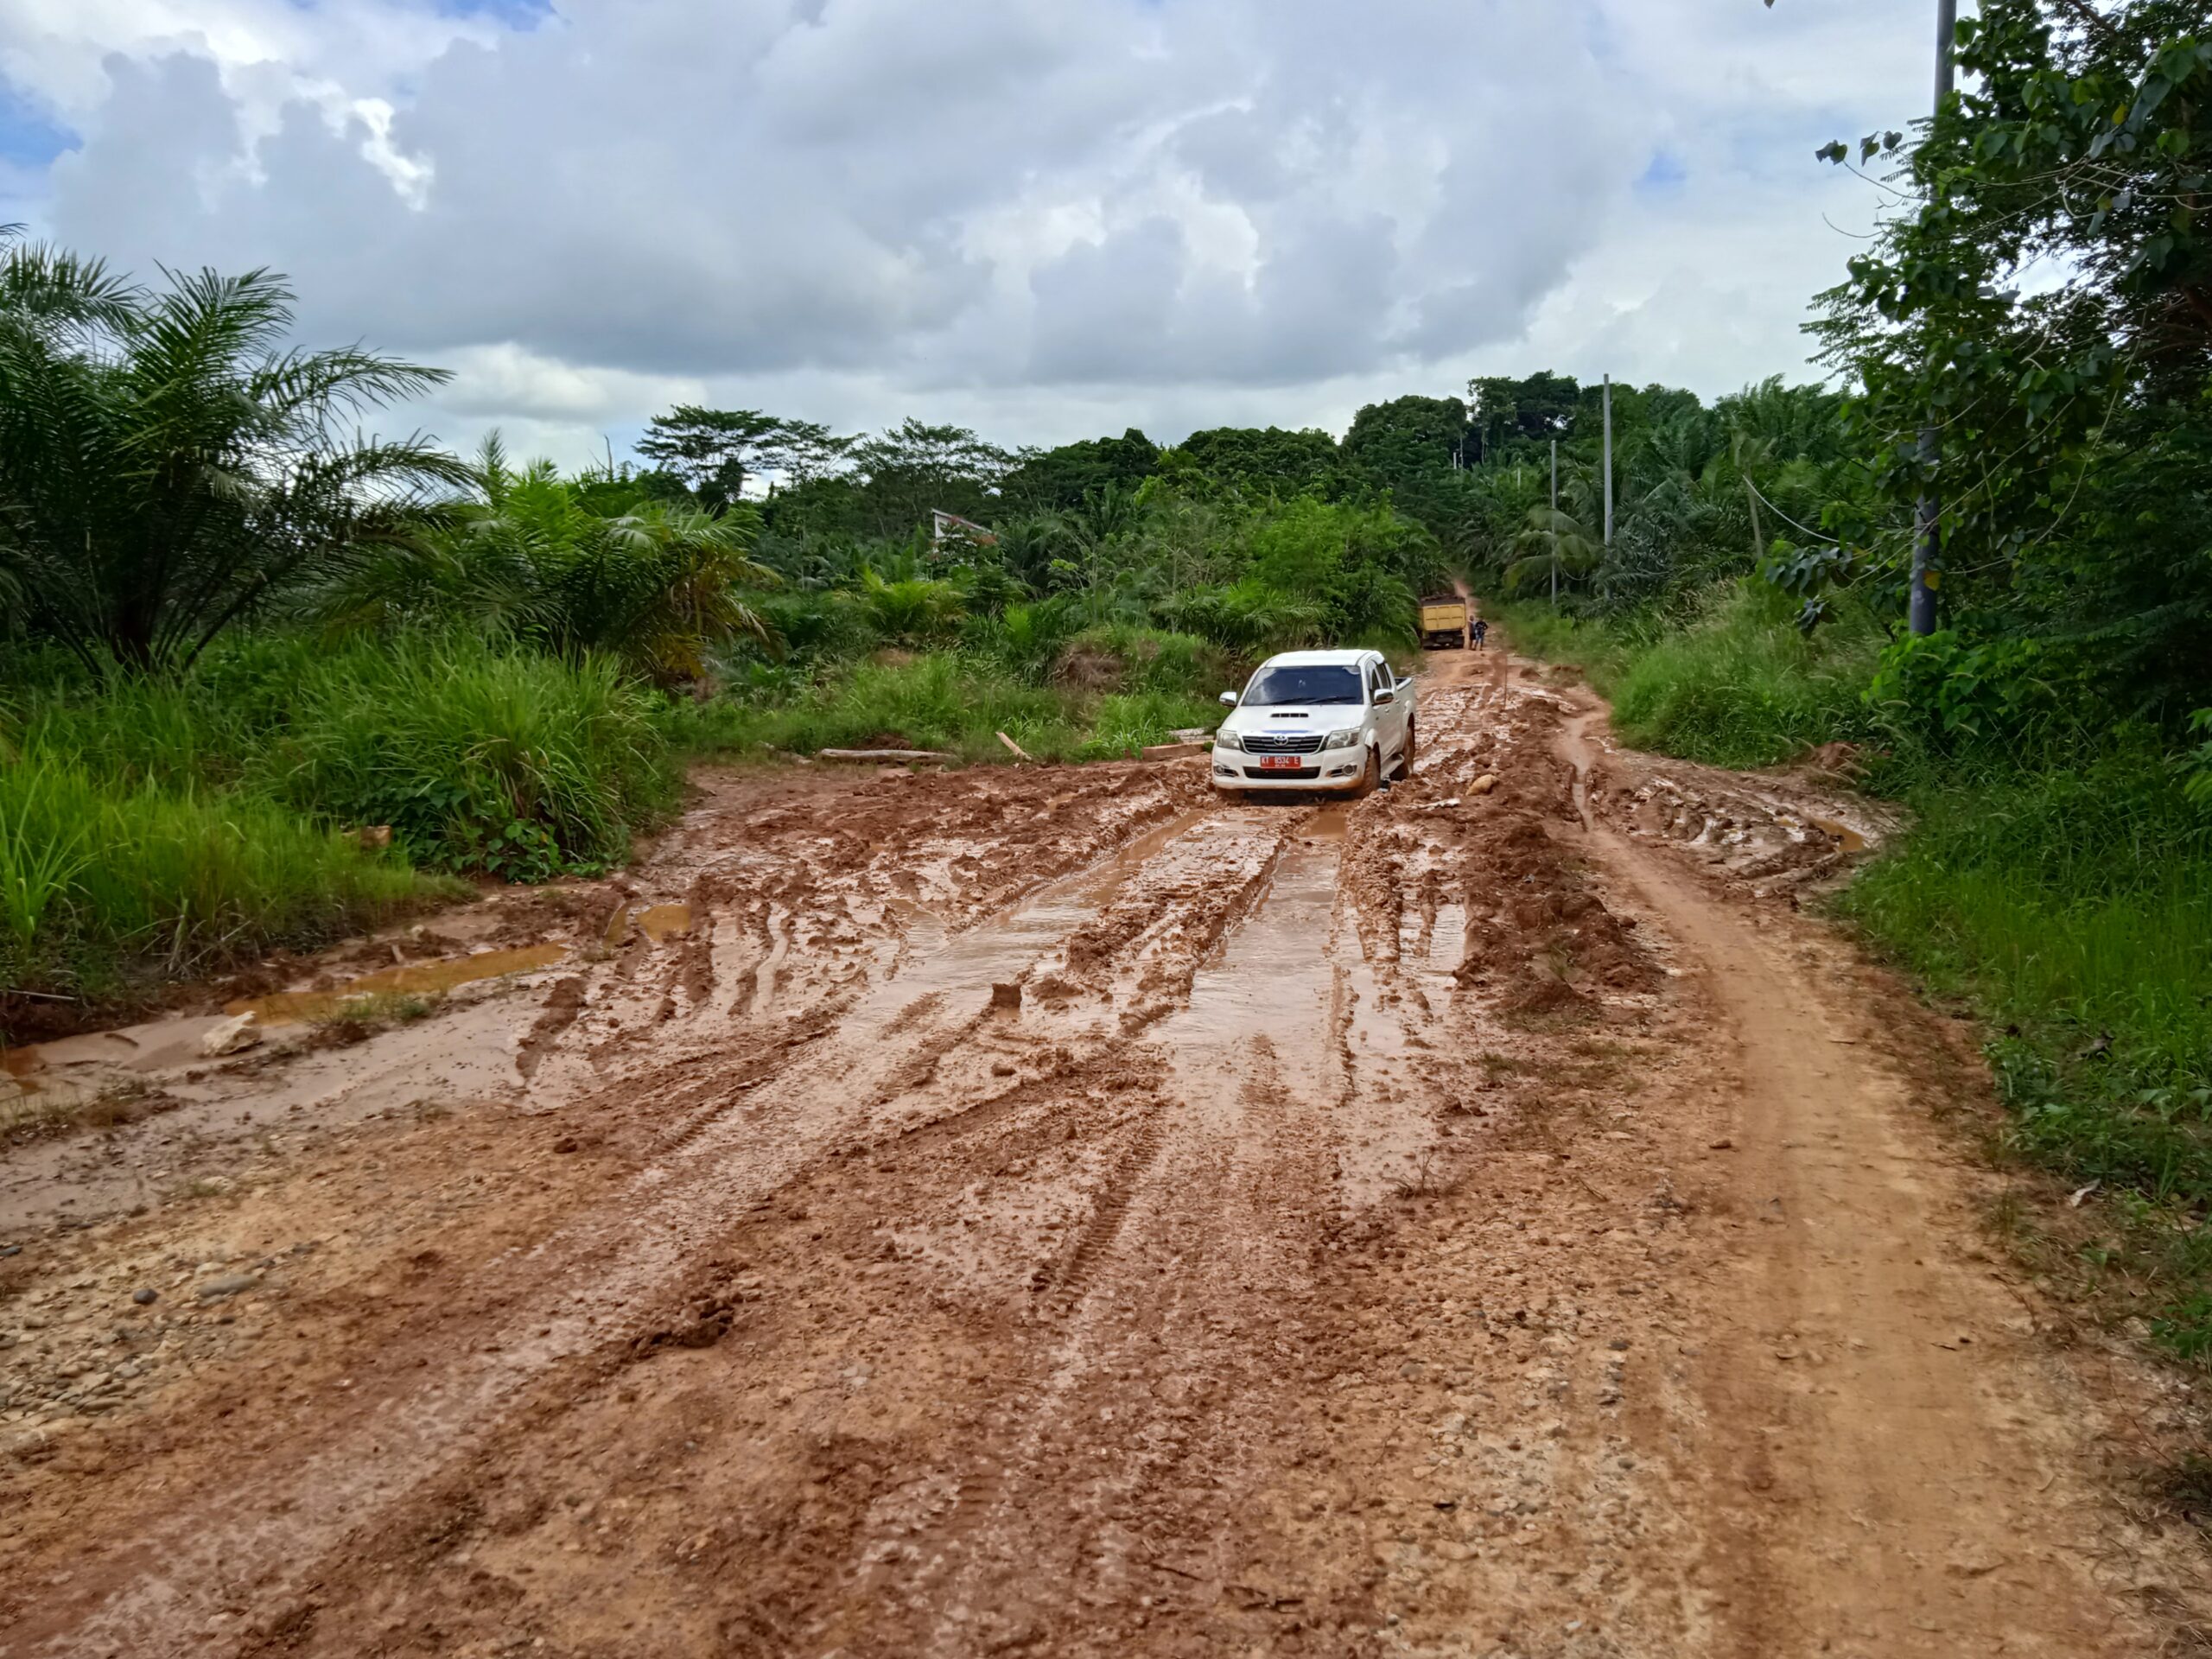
655,584
1552,544
167,464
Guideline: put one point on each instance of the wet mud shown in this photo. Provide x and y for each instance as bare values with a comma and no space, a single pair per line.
1059,1212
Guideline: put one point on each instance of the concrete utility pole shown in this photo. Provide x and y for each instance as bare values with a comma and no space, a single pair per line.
1929,514
1609,462
1555,523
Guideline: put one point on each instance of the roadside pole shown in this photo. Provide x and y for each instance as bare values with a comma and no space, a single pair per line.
1928,513
1555,523
1609,463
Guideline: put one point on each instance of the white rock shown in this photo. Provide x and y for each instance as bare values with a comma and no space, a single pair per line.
239,1031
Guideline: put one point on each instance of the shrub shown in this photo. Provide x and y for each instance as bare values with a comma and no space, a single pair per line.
481,759
1127,723
1151,660
1739,686
934,701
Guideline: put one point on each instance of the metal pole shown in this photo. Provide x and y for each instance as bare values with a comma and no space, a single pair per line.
1609,462
1928,512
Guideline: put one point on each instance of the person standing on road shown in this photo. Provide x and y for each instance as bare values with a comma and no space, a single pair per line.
1481,631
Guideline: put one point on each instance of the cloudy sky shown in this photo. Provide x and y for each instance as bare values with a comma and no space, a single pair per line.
1047,219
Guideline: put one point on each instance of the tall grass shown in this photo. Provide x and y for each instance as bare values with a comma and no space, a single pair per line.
98,878
959,704
2075,906
1127,722
481,759
934,701
1739,686
167,823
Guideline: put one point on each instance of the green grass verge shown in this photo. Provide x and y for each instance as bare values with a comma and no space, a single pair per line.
2072,907
1738,686
101,881
946,701
159,827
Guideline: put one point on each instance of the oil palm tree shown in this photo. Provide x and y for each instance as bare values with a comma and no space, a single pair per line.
168,464
524,555
1552,546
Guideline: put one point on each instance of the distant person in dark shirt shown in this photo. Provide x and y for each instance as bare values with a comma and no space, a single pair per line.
1481,633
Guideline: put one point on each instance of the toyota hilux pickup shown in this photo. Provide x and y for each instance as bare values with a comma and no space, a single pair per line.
1309,720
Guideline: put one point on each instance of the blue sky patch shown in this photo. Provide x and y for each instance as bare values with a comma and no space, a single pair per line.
30,138
516,14
1665,176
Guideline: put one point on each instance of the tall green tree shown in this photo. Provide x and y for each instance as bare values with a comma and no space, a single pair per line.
2070,454
169,463
1059,479
714,451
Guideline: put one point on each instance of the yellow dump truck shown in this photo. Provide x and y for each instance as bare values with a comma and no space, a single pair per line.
1444,623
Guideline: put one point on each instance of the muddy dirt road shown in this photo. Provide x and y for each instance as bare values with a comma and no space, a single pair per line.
1057,1212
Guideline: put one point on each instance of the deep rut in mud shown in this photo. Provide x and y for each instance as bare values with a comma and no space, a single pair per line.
1056,1212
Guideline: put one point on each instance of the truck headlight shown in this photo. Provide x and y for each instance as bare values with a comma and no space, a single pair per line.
1344,739
1228,741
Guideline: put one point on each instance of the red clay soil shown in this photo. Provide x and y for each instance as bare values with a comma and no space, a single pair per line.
1058,1211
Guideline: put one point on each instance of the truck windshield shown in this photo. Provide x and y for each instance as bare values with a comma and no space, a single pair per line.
1275,688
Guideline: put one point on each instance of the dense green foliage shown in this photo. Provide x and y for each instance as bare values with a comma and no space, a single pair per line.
2041,305
186,819
167,464
564,566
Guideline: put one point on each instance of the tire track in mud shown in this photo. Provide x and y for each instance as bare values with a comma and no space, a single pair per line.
1165,1264
717,1166
1313,1257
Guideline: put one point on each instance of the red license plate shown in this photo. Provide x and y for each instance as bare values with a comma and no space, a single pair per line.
1282,763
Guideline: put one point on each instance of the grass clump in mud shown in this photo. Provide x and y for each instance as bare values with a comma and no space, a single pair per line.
168,826
41,1114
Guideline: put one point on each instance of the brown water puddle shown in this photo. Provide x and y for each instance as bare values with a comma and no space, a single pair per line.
659,922
662,923
421,978
19,1066
1852,840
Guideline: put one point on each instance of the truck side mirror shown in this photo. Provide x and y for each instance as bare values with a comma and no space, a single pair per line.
1383,699
1229,699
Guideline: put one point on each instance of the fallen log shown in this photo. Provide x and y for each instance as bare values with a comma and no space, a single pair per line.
888,757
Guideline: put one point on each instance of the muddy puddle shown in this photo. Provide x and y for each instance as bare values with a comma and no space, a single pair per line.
1266,1003
1003,949
658,923
417,979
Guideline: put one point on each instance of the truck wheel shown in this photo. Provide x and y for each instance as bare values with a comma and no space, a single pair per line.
1370,778
1406,755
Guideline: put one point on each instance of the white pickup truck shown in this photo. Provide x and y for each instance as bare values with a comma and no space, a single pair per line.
1332,719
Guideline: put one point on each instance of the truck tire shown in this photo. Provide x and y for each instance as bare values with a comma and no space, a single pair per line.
1406,754
1371,779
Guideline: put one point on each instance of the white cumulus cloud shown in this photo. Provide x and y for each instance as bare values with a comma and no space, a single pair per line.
1048,217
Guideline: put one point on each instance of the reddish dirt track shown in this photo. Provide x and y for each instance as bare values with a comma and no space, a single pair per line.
1056,1212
